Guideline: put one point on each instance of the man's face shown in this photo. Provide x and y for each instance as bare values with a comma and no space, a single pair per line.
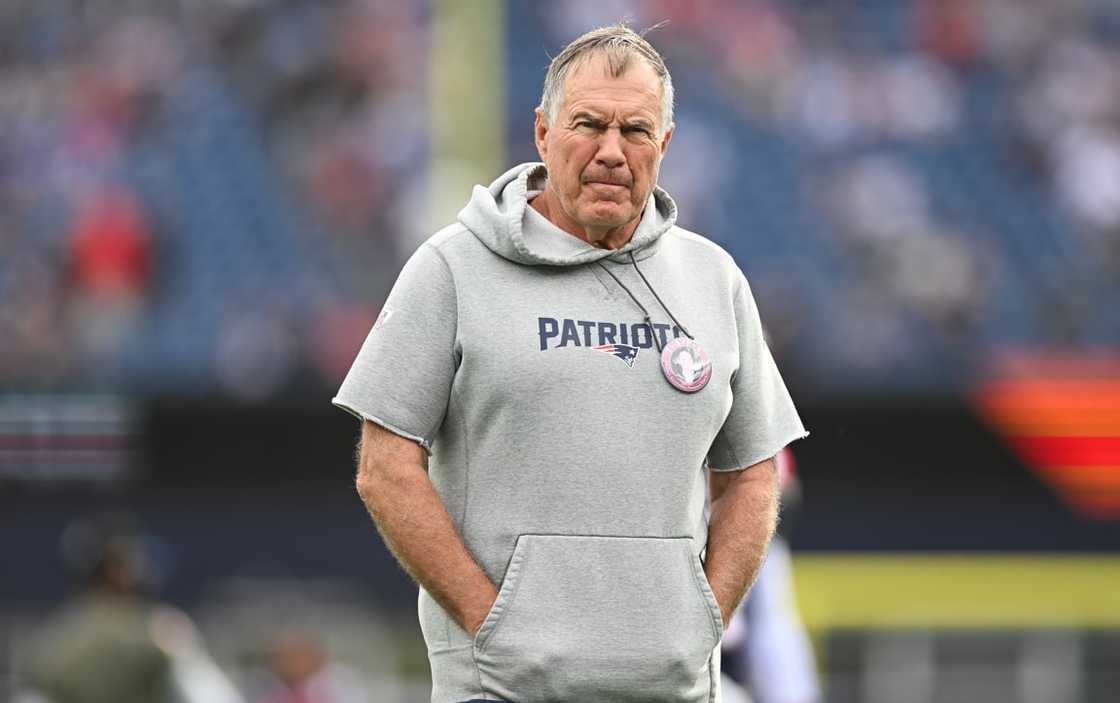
604,149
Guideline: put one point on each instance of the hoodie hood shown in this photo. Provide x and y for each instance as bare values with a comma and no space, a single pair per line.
498,216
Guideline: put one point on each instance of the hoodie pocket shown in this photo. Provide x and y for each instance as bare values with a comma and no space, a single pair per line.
600,619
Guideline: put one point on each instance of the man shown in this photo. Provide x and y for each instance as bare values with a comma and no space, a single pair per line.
557,525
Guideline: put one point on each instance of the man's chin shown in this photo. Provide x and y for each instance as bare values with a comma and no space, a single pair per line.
610,217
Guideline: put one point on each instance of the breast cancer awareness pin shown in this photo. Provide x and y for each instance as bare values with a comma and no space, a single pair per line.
686,365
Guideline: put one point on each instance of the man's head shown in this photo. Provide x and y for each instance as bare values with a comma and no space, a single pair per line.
110,553
603,125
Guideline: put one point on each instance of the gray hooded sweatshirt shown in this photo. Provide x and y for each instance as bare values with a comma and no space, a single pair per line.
574,472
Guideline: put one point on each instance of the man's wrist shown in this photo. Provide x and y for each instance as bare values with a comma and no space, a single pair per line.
726,610
473,621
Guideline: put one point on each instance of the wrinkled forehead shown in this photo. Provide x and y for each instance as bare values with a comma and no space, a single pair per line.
612,63
613,77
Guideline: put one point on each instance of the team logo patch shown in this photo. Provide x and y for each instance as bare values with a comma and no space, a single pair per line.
622,340
383,317
623,351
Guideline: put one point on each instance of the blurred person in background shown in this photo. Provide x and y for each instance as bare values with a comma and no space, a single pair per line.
574,430
112,643
301,672
111,261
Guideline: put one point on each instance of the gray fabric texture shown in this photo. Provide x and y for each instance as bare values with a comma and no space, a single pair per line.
575,473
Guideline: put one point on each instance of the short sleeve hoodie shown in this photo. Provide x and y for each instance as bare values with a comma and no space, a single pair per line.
517,355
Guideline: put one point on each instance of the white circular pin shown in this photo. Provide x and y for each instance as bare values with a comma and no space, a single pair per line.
686,365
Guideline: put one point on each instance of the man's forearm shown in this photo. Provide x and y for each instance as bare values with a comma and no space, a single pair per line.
743,516
418,530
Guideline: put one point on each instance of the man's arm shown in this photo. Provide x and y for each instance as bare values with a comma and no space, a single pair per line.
393,483
743,516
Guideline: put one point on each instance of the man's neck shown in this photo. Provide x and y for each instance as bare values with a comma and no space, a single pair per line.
609,238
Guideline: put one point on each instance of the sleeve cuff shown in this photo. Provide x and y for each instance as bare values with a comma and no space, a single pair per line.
761,456
392,427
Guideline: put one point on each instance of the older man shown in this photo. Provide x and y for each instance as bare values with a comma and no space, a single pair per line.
534,450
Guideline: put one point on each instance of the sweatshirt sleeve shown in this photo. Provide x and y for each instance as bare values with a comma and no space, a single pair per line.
402,376
762,419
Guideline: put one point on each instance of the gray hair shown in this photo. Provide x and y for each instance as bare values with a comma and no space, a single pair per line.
619,44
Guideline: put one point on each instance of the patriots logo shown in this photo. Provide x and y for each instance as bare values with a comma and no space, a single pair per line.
623,351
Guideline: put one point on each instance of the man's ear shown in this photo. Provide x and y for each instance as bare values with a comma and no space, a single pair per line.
540,133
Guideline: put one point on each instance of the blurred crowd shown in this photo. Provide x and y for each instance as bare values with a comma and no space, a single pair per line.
215,196
200,196
955,177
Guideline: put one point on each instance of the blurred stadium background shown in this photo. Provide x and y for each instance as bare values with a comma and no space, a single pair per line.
203,204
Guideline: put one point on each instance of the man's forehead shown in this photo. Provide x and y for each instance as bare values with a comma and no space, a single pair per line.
597,66
590,85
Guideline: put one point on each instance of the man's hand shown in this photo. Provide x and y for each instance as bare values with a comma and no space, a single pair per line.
744,515
393,483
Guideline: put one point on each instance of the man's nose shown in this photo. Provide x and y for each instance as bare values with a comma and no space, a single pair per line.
610,149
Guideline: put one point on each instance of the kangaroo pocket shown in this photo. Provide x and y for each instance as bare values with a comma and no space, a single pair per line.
600,619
